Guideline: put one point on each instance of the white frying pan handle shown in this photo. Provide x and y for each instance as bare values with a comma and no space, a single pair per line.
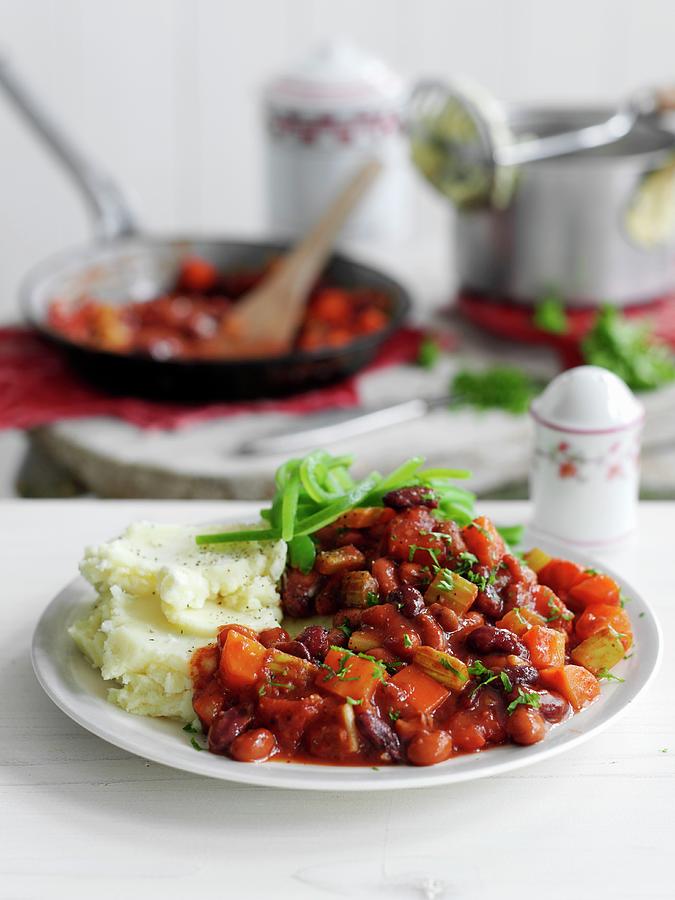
112,216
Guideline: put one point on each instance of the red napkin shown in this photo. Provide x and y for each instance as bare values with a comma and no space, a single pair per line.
38,387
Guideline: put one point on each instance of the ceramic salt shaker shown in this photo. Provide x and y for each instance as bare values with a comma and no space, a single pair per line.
585,474
325,118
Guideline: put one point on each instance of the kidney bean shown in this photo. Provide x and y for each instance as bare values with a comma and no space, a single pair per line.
315,638
489,602
337,638
350,617
402,640
271,636
526,726
405,498
456,543
294,648
328,598
553,707
466,730
298,591
253,746
227,726
429,747
384,571
487,638
446,618
380,734
430,632
380,616
414,574
407,600
521,674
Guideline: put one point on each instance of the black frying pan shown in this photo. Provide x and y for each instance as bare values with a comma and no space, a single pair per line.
123,265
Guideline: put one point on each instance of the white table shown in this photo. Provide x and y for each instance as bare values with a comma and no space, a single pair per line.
80,818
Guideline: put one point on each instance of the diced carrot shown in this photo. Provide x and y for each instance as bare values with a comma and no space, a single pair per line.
560,575
422,692
601,615
575,683
242,660
209,702
601,650
546,646
520,619
551,607
242,629
594,589
355,676
484,541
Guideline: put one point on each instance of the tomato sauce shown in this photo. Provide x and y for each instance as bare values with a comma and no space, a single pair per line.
187,322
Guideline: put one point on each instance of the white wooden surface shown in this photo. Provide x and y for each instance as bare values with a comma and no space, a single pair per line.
79,818
166,92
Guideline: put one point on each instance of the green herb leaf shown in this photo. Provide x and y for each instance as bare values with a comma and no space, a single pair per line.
353,702
606,675
628,349
196,745
407,642
550,315
429,353
524,698
501,387
190,728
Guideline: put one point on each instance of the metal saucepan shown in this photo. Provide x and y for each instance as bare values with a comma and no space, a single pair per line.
125,265
595,227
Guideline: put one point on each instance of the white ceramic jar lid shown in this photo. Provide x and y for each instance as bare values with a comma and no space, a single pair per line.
587,399
336,75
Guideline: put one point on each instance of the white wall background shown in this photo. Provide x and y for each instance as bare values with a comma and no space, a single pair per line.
165,92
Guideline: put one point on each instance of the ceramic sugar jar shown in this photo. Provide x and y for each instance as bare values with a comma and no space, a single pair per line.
585,474
325,118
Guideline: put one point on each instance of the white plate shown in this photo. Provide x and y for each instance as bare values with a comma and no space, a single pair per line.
80,692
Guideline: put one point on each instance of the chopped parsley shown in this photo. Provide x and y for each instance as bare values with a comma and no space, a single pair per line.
429,353
346,630
486,676
550,316
372,598
557,613
446,581
449,666
353,702
500,387
606,675
524,698
286,685
406,640
394,715
190,728
196,744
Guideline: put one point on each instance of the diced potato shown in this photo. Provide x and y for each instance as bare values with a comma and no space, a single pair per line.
442,667
546,646
520,619
599,651
363,641
537,559
577,685
452,590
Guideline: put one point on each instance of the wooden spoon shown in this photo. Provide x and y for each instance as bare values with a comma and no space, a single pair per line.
265,321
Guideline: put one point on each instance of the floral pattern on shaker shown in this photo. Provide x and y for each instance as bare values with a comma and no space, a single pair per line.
572,463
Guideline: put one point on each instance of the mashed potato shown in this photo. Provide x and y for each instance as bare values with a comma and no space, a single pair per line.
160,596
